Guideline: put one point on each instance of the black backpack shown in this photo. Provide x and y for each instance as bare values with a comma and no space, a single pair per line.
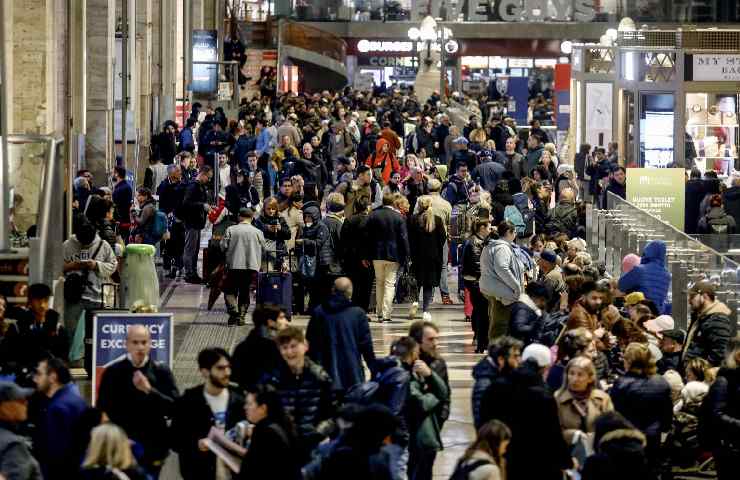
463,471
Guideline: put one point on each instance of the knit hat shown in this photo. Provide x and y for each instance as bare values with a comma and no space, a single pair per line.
539,353
677,335
634,298
660,324
549,256
676,383
629,262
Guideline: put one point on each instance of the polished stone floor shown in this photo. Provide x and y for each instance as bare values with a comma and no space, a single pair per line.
196,328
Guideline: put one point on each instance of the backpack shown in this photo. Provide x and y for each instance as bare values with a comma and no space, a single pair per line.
458,221
512,214
463,470
370,392
718,225
522,203
159,226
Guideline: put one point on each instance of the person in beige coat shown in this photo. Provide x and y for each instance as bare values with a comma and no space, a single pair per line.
579,401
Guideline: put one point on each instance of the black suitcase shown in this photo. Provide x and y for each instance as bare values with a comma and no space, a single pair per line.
276,288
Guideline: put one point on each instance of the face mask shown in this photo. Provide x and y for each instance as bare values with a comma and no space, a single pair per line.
309,224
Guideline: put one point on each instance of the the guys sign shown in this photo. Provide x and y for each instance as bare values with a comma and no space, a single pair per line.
109,339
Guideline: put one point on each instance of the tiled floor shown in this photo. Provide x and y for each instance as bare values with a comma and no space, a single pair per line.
196,328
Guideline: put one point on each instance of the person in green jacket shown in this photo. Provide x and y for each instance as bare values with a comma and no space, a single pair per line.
427,390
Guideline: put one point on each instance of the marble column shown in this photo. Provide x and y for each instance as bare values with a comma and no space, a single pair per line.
99,151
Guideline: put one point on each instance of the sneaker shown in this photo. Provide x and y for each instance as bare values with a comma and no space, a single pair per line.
446,300
426,316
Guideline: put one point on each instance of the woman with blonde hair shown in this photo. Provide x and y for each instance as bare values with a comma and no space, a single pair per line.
579,401
109,456
427,235
644,397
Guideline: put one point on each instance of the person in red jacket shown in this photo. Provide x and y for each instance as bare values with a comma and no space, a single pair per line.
384,159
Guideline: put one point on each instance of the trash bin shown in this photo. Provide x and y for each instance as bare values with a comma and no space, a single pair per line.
139,279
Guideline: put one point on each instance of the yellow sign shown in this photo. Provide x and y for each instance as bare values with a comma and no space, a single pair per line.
660,192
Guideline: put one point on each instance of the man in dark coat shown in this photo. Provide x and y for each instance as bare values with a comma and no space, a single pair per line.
138,394
538,449
504,355
201,408
388,248
617,185
54,441
529,312
258,354
710,329
339,336
195,208
354,235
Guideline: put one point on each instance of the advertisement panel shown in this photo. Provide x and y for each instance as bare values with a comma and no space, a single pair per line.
659,191
205,49
109,340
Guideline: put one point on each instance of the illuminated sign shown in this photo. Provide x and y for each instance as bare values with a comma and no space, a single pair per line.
407,46
532,10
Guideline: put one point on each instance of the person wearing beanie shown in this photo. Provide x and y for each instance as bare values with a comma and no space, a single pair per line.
671,345
629,262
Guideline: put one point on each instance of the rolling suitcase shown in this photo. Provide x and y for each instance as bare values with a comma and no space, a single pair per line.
276,288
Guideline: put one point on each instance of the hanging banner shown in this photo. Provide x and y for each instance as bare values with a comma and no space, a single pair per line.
518,88
109,340
660,192
205,49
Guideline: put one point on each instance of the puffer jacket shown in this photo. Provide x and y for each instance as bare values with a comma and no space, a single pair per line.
485,373
708,334
502,274
307,397
471,257
330,255
651,277
279,238
527,321
316,236
646,402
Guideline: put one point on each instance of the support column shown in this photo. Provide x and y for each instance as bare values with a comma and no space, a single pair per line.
101,31
144,80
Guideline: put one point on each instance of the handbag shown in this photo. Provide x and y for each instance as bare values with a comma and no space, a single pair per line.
307,266
407,288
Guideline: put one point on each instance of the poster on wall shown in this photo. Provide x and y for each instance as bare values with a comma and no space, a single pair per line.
599,114
205,49
659,191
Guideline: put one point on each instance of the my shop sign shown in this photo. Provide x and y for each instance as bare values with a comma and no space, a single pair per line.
711,67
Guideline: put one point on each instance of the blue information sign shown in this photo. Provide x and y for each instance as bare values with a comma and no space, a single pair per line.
109,339
205,49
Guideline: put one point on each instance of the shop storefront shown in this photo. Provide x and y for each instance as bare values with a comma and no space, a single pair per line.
675,94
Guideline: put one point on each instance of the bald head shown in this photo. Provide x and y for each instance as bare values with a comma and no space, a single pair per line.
138,343
343,286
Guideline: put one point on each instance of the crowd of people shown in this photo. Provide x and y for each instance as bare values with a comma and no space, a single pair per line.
352,202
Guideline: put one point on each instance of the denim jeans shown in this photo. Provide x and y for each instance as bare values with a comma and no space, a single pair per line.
443,287
426,298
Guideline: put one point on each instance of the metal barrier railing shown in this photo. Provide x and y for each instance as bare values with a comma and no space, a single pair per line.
624,228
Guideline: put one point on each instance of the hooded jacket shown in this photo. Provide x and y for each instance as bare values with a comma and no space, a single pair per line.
502,274
720,411
651,277
386,162
717,222
619,454
339,335
709,333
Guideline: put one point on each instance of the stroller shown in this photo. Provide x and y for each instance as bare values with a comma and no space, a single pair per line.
684,451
